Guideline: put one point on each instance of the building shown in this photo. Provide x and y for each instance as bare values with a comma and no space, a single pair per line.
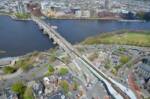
45,7
144,67
38,89
86,14
78,13
82,13
21,7
107,4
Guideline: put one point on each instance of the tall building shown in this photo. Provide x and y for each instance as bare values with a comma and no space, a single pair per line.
107,4
21,8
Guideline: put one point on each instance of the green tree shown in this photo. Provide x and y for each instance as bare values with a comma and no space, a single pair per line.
124,59
50,70
18,88
64,85
28,94
63,71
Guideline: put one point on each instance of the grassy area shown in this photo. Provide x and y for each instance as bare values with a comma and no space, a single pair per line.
28,94
9,70
25,64
125,38
22,16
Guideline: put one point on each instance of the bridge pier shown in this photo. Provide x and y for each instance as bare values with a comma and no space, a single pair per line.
41,29
44,32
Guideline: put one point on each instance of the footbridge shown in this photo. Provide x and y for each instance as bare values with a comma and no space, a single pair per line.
117,90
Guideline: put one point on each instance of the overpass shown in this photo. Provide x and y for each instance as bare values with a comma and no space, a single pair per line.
117,90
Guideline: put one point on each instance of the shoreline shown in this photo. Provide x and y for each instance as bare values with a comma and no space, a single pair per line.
75,18
14,17
101,19
66,19
95,39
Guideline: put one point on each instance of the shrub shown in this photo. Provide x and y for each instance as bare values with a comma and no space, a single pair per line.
22,16
28,94
63,71
25,64
52,58
122,49
9,70
18,88
107,64
114,71
51,69
75,85
65,86
118,67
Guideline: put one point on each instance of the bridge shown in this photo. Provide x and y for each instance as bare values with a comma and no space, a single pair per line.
117,90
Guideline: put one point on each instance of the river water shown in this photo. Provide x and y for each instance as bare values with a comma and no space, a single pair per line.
21,37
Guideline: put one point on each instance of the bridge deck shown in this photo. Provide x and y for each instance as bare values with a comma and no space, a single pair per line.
116,89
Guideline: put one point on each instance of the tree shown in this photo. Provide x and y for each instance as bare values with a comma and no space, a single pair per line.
124,59
63,71
18,88
28,94
64,85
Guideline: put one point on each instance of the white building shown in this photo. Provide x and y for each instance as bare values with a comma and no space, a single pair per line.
45,7
86,13
78,13
83,14
21,7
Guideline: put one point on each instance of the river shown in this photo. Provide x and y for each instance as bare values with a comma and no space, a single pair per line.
21,37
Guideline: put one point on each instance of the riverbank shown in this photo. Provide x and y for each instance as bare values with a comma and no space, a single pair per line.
28,36
2,52
14,17
95,18
137,38
83,18
75,18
